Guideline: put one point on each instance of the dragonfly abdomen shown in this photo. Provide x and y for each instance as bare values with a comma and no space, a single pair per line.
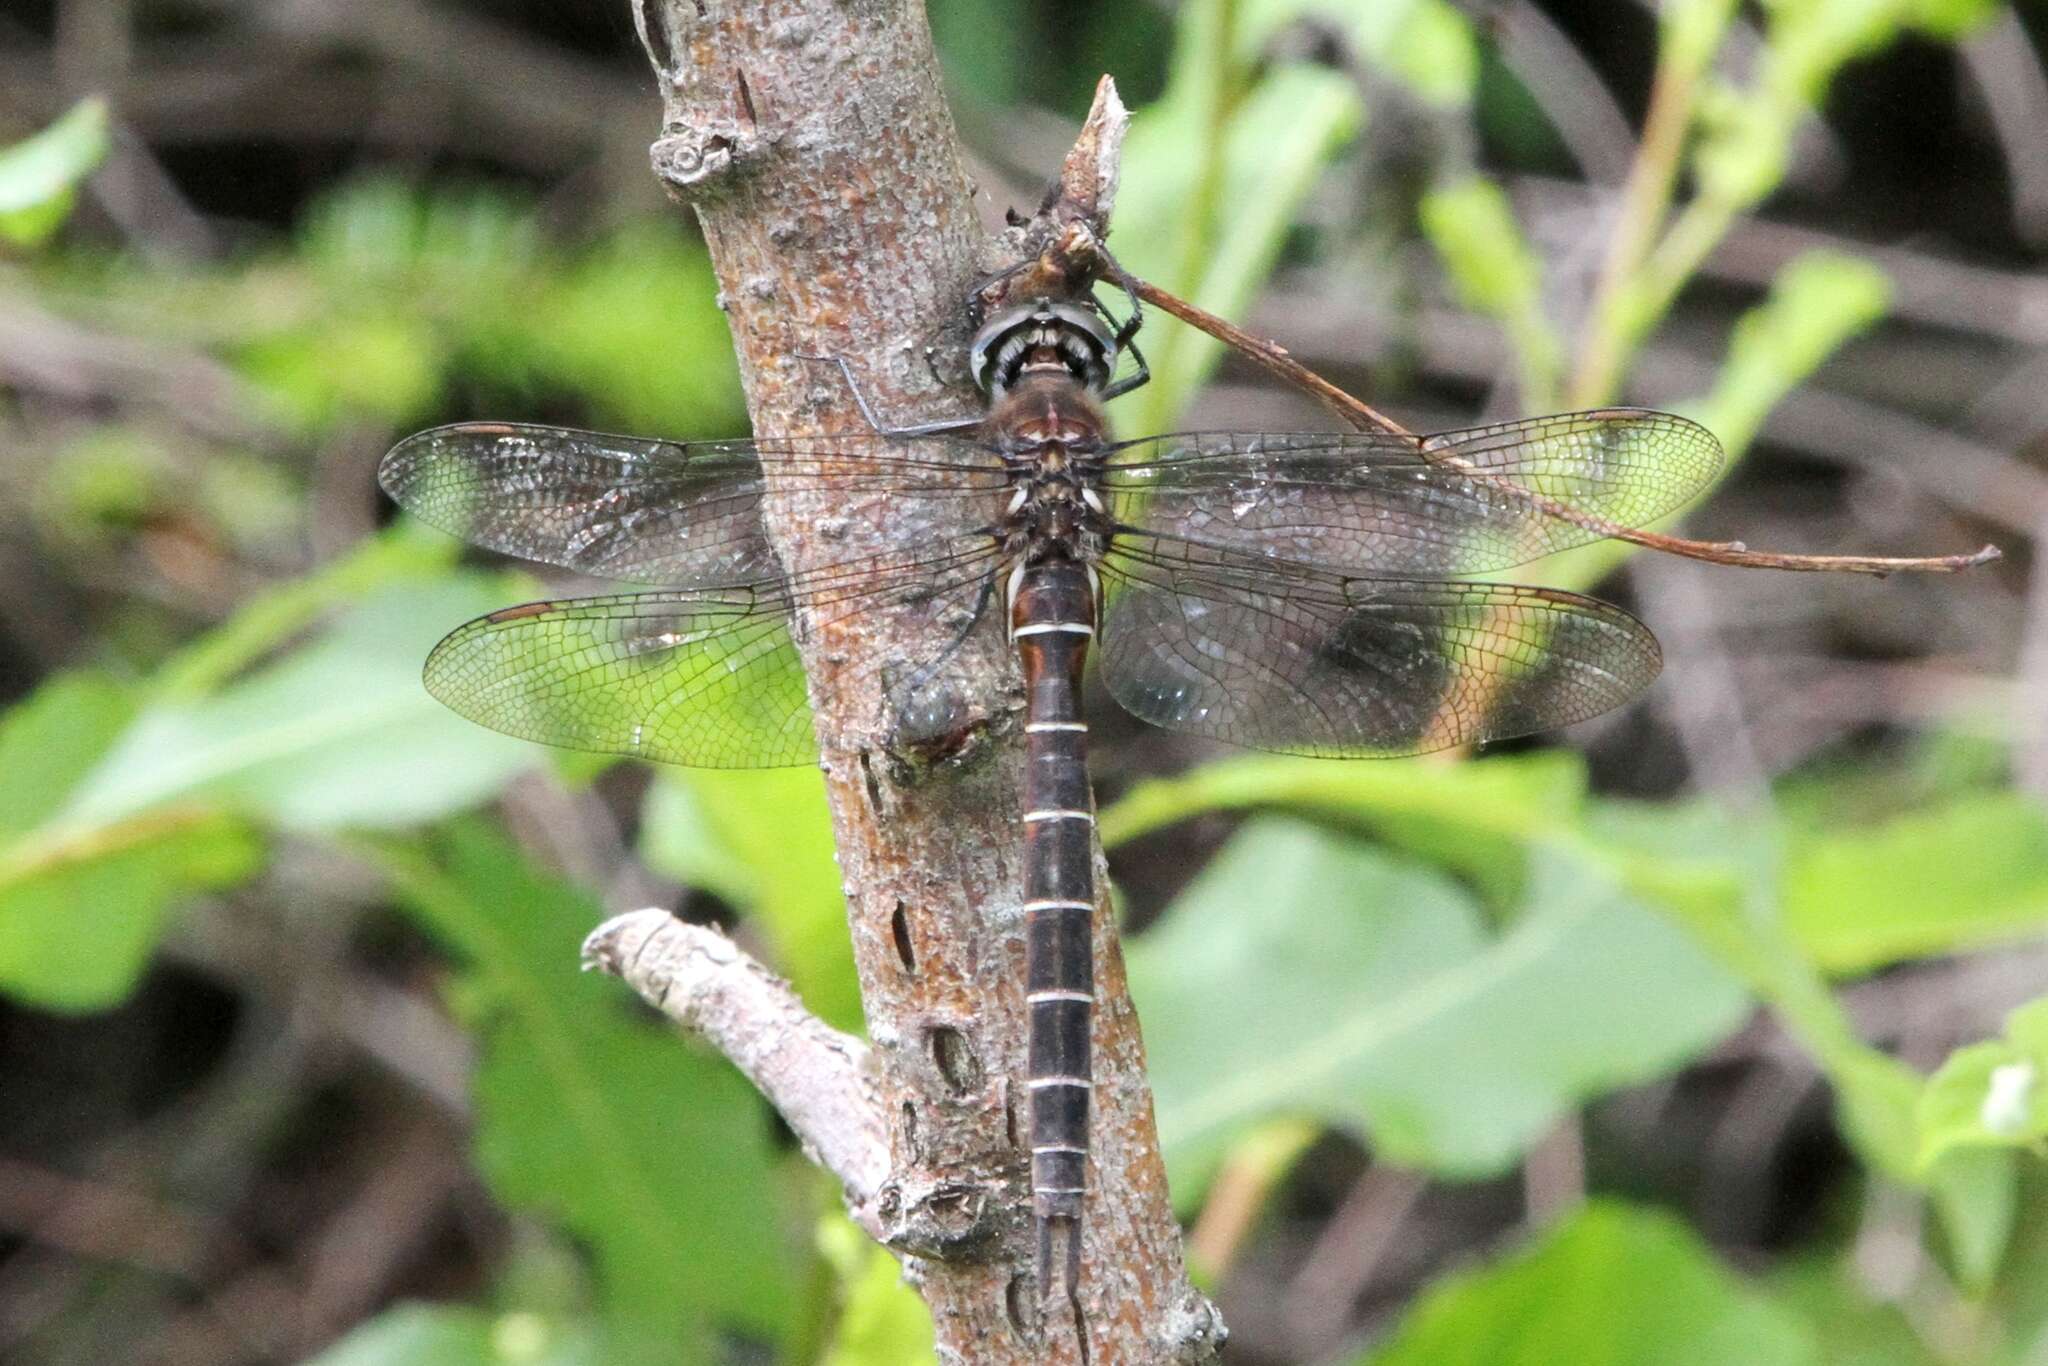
1052,619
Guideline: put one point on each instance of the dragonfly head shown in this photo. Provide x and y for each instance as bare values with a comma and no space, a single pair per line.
1039,337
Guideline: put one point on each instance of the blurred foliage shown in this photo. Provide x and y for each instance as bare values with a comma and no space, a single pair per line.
1609,1287
39,176
1443,960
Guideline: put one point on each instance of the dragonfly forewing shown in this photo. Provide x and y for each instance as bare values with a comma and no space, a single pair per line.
1462,502
669,513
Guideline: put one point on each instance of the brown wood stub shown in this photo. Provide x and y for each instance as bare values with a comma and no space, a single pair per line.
814,143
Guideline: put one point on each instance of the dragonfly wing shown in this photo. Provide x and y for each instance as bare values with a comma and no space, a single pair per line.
1301,661
660,512
709,678
1460,502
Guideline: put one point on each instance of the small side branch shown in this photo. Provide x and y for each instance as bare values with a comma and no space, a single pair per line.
817,1078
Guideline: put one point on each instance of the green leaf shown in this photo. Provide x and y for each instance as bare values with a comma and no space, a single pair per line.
1992,1094
635,323
1975,1194
79,913
1473,229
1304,974
1612,1286
1818,301
79,918
1971,873
340,734
52,740
39,175
384,363
451,1335
1426,44
763,841
1861,1331
1207,221
1712,876
654,1154
882,1322
1950,20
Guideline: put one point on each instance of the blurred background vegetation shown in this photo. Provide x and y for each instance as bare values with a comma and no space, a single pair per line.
1712,1032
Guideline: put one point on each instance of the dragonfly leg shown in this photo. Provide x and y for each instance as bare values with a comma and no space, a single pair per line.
1136,379
981,602
1123,280
860,399
977,305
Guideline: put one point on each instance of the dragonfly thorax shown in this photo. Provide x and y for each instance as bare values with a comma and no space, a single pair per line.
1049,432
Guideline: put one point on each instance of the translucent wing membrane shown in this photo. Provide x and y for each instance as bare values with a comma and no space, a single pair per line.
1300,660
1454,503
659,512
708,678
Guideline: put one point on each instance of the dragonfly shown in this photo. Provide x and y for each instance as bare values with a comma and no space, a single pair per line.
1305,593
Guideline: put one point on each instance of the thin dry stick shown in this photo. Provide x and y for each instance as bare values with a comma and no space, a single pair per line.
813,141
1274,359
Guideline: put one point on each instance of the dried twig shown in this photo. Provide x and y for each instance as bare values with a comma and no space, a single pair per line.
817,1078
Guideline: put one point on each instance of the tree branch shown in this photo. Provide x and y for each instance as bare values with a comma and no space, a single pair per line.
816,1077
813,140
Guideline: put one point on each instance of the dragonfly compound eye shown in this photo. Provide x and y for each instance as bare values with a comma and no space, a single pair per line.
1073,332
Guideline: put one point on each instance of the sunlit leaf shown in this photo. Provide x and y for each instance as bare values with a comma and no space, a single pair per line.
1426,44
1951,19
80,910
1961,876
653,1153
763,841
1817,302
882,1322
39,175
1473,228
452,1335
1611,1286
1992,1094
80,917
1307,974
52,740
1495,272
338,734
635,323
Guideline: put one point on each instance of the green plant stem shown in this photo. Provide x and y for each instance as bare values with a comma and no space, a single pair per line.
1612,329
1217,86
1698,229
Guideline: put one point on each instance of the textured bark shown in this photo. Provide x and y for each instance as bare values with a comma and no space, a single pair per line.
817,1078
814,142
